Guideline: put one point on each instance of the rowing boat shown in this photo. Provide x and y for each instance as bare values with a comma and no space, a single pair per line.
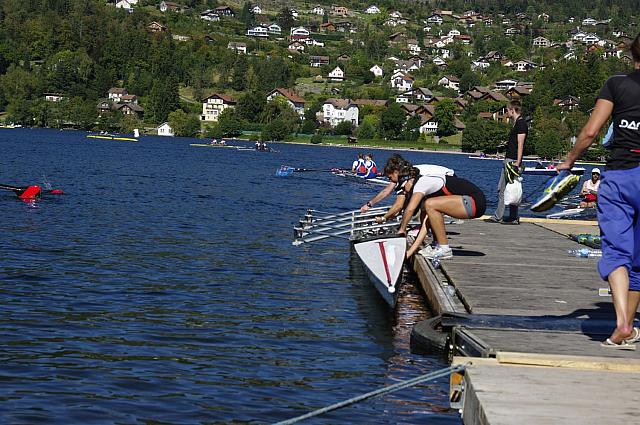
349,175
383,258
551,171
206,145
377,246
111,137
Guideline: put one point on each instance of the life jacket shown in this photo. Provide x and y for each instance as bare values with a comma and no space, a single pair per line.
372,169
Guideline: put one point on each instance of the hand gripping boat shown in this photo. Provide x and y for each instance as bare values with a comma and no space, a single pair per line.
557,188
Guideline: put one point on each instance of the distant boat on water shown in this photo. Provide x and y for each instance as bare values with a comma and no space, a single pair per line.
108,136
11,125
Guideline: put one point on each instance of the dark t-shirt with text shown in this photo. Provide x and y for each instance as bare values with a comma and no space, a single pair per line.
624,92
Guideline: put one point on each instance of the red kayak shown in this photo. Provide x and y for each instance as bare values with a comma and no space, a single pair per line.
30,192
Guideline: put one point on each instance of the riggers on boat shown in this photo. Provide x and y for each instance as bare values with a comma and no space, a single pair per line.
378,181
381,252
111,137
557,188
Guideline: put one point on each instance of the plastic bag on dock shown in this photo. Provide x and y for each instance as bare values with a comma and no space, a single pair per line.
513,192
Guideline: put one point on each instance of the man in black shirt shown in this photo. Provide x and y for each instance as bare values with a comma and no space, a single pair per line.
619,196
515,147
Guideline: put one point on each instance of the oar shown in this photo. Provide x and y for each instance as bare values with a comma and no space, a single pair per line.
287,170
25,192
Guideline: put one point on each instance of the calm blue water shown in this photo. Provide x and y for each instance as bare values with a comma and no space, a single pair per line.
163,287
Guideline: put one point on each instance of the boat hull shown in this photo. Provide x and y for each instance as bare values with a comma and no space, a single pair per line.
354,177
383,259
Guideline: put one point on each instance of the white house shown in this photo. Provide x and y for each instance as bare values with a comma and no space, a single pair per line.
541,42
259,31
377,70
579,36
453,33
292,98
335,111
418,94
480,64
591,39
210,15
395,14
296,46
115,94
589,21
511,31
435,19
524,65
438,61
213,106
450,81
237,47
165,130
372,10
414,47
402,81
318,10
256,10
505,84
53,97
300,33
337,74
274,29
126,4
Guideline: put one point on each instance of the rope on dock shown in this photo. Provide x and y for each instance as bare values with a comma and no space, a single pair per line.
386,390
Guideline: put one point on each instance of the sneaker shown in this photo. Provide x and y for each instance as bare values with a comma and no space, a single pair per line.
511,222
493,219
426,250
439,253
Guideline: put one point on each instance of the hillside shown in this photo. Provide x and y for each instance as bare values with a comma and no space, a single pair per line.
60,60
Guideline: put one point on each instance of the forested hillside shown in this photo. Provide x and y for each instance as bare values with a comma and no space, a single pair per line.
59,59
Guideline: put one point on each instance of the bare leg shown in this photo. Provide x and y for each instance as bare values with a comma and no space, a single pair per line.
634,300
436,207
619,282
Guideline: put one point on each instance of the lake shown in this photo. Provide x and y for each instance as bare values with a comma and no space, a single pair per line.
163,287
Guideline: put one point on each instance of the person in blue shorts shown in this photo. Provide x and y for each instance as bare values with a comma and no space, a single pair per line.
619,196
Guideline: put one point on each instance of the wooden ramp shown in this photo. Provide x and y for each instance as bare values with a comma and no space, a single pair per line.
524,273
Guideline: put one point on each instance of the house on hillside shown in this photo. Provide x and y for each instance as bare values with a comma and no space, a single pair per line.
377,70
517,92
327,27
256,10
210,15
435,19
129,109
260,31
156,27
165,130
372,10
335,111
224,11
505,84
300,34
296,46
318,61
401,81
53,97
339,10
337,74
126,5
115,94
524,66
318,10
589,22
415,95
172,7
213,106
292,98
237,47
568,103
450,82
439,62
274,29
541,42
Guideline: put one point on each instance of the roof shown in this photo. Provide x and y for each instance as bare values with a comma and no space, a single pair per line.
452,78
225,97
134,107
370,102
340,103
117,90
289,94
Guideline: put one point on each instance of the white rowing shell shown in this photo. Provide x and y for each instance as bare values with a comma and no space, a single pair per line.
383,259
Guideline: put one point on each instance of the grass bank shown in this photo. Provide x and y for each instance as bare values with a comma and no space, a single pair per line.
449,144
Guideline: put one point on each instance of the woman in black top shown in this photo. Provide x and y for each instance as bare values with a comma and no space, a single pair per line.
619,196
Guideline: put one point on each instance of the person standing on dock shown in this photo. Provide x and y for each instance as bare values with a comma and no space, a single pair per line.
618,196
513,156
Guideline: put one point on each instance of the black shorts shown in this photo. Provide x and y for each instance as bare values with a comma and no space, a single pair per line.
472,196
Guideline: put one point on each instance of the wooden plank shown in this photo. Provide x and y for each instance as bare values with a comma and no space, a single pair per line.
573,362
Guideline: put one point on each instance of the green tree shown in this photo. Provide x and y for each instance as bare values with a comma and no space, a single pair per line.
366,130
391,121
411,129
484,135
445,115
251,105
229,124
343,128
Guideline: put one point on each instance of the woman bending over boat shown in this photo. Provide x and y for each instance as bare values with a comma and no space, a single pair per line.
437,193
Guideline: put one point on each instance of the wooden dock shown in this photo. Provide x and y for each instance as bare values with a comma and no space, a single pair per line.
531,326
